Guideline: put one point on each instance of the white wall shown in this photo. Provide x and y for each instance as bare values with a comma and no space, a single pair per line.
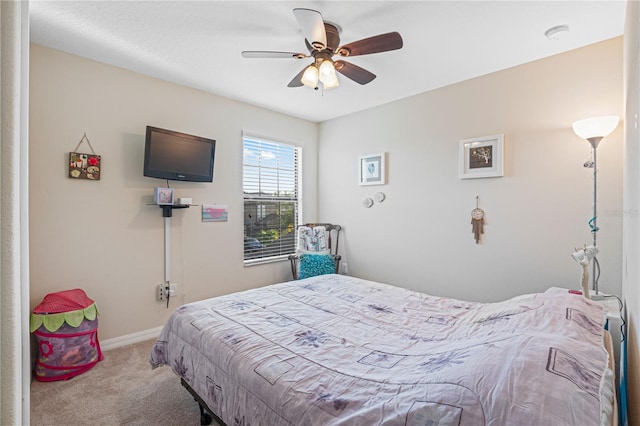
101,236
420,236
631,253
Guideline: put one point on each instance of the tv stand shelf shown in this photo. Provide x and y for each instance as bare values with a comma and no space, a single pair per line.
167,209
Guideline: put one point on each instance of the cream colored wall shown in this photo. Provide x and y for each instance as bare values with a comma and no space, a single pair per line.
101,236
631,253
420,236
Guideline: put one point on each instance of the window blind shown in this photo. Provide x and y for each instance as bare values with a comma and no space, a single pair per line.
271,189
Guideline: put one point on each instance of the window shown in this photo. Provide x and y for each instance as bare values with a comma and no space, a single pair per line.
271,187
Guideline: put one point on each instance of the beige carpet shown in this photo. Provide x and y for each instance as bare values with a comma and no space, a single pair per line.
120,390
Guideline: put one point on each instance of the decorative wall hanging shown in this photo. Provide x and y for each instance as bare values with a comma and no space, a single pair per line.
477,221
481,157
372,170
379,197
163,196
84,166
215,213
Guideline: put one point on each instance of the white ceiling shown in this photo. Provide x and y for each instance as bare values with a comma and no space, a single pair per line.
198,43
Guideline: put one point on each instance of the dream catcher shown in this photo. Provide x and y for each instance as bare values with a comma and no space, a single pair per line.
477,221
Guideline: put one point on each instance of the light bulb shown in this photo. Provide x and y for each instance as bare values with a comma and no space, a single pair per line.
328,75
331,84
327,70
310,76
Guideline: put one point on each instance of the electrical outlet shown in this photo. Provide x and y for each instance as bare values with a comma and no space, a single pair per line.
165,291
161,293
345,268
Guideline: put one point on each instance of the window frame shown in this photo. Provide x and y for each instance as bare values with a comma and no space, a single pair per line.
277,198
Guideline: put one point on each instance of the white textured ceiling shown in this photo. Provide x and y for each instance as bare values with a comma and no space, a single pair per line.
198,43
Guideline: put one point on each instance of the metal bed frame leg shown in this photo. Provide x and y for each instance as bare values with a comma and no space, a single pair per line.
206,415
205,418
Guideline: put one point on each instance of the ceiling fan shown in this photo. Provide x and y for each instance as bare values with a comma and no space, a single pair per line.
323,42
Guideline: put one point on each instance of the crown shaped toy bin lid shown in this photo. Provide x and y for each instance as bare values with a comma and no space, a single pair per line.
70,306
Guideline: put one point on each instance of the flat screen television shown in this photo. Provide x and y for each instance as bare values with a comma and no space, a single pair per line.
178,156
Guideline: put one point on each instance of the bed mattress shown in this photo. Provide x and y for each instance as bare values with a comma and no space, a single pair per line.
337,350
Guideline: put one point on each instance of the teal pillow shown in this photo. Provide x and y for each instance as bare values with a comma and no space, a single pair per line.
316,264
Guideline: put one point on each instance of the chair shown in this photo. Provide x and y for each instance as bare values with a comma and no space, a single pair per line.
332,232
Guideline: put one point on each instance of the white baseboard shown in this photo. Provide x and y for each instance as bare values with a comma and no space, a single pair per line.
128,339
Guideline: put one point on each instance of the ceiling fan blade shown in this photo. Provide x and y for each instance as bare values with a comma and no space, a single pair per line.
268,54
297,80
312,26
375,44
354,72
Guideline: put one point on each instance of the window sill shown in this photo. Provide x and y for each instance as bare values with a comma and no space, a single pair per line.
263,261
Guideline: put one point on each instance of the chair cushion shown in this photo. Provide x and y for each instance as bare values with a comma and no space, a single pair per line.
312,265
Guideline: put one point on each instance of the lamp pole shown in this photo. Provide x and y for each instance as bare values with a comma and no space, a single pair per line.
593,223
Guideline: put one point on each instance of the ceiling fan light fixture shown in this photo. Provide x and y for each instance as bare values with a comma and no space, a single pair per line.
327,71
331,83
310,76
322,39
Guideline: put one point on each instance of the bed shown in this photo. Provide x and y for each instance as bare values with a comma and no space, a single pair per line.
338,350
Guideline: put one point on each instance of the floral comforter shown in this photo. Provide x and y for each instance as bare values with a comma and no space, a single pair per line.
337,350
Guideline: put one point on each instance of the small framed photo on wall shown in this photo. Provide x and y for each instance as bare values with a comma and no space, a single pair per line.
481,157
215,213
163,196
372,169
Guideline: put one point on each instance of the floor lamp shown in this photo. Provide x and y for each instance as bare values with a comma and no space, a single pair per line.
594,130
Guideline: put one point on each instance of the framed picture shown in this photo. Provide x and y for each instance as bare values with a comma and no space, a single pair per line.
163,196
481,157
372,170
215,213
84,166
